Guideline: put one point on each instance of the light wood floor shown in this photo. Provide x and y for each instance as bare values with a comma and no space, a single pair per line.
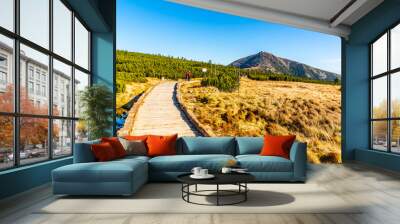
352,182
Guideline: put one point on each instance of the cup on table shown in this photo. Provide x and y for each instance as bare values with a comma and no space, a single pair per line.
196,171
203,172
226,170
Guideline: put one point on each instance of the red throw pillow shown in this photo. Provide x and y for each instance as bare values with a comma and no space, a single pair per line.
103,152
161,145
116,145
277,145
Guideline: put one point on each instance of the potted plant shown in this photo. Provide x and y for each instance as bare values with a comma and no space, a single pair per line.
96,102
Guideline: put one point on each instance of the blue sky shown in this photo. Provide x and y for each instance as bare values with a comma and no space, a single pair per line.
160,27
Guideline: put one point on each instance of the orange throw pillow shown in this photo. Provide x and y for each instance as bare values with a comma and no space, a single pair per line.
103,152
161,145
277,145
116,145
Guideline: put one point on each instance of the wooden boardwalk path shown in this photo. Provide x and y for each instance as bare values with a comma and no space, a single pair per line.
160,114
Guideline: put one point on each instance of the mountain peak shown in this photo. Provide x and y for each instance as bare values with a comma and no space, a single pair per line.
264,53
268,62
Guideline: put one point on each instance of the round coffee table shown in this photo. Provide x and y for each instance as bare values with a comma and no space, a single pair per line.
238,179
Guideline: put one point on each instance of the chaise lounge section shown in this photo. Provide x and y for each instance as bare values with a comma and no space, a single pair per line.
125,176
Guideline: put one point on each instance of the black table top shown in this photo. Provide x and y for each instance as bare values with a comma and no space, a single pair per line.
220,178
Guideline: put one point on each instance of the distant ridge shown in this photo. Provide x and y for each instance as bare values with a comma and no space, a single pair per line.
268,62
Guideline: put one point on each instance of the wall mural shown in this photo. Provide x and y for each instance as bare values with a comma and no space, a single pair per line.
250,95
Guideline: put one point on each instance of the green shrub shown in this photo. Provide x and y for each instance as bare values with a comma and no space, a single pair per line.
96,102
223,82
264,76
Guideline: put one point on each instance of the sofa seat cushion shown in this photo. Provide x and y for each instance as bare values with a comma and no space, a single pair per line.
133,157
112,171
185,163
257,163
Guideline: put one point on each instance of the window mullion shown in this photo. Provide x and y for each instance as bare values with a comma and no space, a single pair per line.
389,104
16,85
73,82
371,142
50,81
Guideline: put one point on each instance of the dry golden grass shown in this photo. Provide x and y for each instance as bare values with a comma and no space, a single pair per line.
310,111
131,90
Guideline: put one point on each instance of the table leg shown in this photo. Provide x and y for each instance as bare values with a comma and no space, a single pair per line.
195,188
217,194
188,190
182,189
245,193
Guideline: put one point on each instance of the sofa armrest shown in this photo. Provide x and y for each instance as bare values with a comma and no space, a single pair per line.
83,152
298,155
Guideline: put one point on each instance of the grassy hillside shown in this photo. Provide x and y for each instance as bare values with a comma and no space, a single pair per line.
135,67
310,111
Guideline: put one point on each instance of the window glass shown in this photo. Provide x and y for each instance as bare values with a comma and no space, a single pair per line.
379,56
62,29
81,82
34,81
395,94
379,135
39,62
81,131
379,97
6,74
33,140
395,138
7,14
62,89
6,142
34,21
81,45
62,137
395,47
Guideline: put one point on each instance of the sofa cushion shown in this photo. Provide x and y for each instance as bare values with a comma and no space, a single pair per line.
112,171
134,147
207,145
161,145
133,158
103,152
83,152
277,145
116,145
249,145
257,163
185,163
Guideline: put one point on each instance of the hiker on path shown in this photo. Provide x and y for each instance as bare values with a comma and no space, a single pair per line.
188,75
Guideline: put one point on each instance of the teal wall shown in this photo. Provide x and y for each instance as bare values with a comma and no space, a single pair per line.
24,178
103,64
356,99
100,17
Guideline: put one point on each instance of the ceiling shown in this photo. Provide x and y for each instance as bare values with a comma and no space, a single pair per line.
327,16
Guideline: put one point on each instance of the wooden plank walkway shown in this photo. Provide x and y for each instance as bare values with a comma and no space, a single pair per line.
160,114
